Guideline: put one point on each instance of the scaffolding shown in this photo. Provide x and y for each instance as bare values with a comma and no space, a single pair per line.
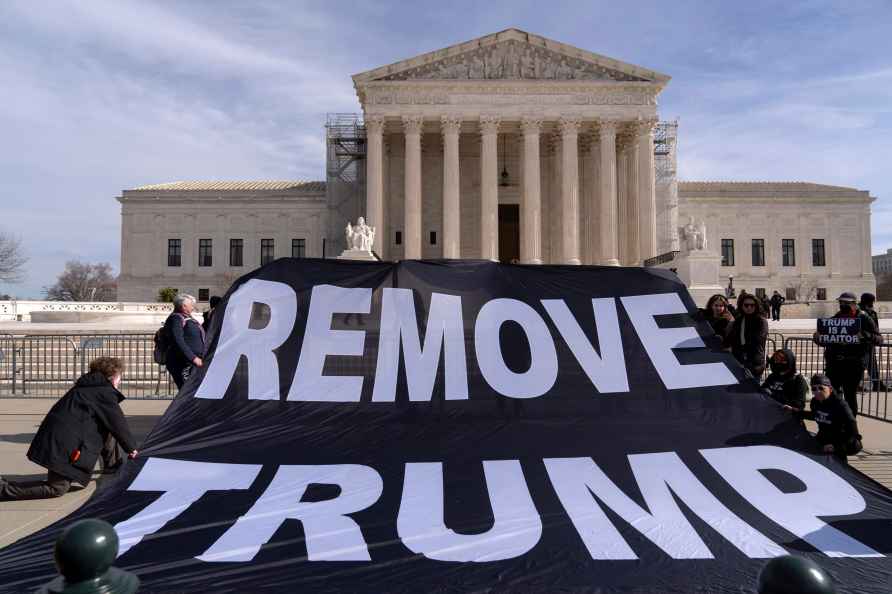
345,174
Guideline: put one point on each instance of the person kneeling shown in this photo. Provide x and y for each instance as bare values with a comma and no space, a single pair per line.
784,384
837,427
83,425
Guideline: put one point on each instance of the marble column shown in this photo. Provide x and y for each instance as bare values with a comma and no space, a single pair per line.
412,126
609,243
531,215
451,127
647,202
374,194
593,167
622,198
569,128
632,210
489,188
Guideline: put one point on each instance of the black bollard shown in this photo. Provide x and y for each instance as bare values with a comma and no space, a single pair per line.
794,575
84,555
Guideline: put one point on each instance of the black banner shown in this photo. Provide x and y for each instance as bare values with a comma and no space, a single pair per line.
839,331
470,426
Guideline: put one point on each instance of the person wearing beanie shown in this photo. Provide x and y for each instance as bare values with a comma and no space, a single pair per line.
845,363
837,428
784,384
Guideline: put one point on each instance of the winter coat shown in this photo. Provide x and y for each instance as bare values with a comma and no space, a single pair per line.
836,423
749,350
721,326
788,388
854,353
80,421
776,301
188,340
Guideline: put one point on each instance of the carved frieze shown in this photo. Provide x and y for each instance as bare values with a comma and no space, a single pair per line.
512,60
515,95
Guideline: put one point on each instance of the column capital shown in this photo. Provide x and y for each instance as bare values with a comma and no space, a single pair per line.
413,124
531,125
607,127
489,124
450,124
374,124
569,125
645,127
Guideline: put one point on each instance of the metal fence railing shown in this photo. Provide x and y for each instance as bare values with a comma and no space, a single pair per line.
47,366
877,381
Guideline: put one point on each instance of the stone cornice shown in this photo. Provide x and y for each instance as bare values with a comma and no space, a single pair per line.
508,35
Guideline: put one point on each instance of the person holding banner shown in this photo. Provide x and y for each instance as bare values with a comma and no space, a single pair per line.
784,384
848,339
84,425
748,335
837,427
719,317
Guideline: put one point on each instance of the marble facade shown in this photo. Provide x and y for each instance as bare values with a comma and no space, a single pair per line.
508,147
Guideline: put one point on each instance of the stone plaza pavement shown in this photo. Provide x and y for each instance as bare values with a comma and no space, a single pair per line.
20,418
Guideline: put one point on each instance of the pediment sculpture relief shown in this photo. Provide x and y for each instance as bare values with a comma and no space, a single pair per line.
512,60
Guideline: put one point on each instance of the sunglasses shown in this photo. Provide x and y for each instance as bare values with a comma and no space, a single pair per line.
749,305
818,388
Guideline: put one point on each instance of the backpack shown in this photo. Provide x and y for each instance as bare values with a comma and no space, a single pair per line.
163,341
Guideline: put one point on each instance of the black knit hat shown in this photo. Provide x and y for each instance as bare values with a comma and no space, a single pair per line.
819,379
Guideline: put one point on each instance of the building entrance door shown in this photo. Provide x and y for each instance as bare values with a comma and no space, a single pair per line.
509,233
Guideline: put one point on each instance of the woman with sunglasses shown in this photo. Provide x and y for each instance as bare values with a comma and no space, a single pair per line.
748,335
837,427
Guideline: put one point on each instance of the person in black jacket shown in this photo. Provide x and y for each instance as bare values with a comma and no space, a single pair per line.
213,302
186,340
873,370
719,317
776,301
837,427
748,335
845,363
784,384
85,424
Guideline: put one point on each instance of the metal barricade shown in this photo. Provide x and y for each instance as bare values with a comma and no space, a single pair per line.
8,360
47,365
142,378
873,399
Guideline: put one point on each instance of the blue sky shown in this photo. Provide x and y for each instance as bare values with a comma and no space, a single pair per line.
100,96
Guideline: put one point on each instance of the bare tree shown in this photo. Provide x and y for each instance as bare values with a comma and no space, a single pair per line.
84,282
12,259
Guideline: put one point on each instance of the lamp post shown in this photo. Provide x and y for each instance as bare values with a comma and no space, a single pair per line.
730,289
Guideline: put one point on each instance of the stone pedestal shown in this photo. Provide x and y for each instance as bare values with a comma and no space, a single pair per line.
699,271
357,255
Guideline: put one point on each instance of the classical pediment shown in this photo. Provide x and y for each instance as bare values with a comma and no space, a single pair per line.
511,55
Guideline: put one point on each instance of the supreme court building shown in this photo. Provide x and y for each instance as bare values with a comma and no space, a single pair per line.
510,147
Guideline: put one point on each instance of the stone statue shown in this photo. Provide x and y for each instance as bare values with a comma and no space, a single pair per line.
701,235
689,236
360,237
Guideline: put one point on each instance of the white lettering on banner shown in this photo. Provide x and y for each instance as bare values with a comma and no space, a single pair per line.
543,370
330,535
826,494
445,332
578,481
238,339
659,342
320,341
421,526
400,326
606,371
581,486
182,483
